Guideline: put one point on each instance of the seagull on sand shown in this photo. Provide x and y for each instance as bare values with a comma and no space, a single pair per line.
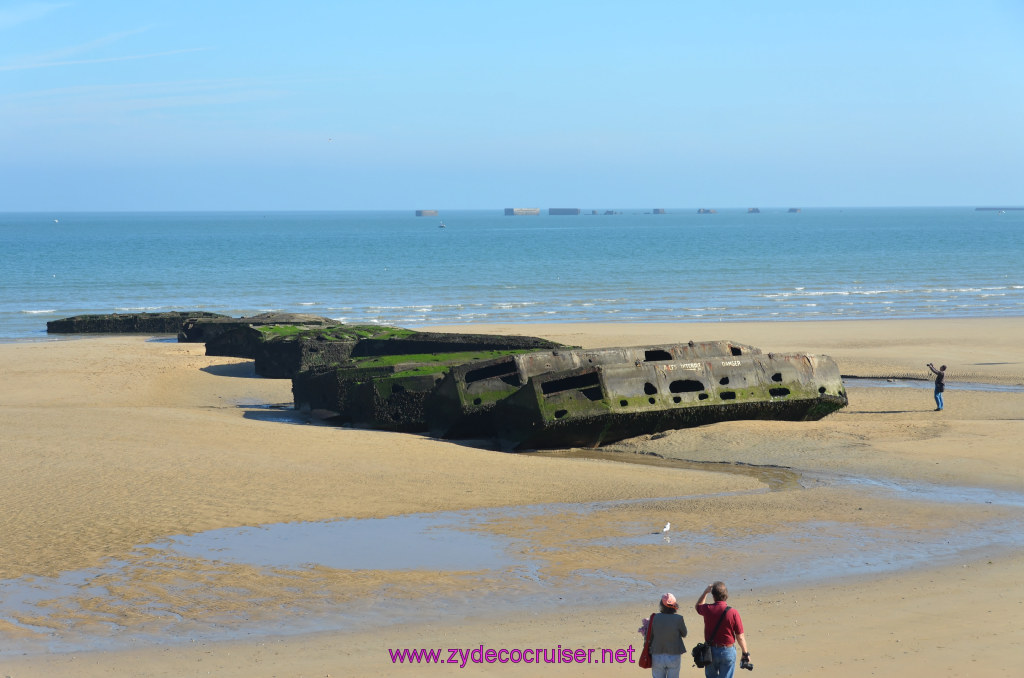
668,526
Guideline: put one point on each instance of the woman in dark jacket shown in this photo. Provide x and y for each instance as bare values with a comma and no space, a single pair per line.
667,639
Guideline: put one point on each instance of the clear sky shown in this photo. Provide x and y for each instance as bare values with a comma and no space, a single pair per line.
404,104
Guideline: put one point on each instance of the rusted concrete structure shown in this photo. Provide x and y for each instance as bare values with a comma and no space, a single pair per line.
599,404
464,403
526,393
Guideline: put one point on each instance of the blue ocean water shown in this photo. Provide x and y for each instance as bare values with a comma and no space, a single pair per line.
398,269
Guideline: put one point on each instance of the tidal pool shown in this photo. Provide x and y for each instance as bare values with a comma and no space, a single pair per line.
347,574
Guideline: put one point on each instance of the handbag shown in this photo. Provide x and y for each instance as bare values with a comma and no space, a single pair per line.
702,651
644,660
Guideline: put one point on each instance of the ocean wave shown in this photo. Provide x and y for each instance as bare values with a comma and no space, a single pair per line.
515,304
39,311
902,292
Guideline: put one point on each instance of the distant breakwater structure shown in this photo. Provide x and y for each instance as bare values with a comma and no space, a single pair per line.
576,211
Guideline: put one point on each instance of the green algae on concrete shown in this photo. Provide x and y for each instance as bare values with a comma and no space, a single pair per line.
389,376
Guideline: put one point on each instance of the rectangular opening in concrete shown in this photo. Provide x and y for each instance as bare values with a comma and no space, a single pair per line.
502,369
655,355
574,383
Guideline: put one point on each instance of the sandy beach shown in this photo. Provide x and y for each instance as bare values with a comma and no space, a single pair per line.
112,444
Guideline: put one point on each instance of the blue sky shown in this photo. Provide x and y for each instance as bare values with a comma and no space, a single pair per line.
183,105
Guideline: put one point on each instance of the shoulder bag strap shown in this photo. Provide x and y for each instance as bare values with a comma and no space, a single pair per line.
714,633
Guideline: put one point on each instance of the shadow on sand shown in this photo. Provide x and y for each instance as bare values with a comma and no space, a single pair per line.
242,370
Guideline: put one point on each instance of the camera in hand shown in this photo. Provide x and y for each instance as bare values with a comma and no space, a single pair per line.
745,663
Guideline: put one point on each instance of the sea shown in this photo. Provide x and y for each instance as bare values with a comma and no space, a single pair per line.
480,266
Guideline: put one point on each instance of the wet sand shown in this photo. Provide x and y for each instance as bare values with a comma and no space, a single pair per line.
114,443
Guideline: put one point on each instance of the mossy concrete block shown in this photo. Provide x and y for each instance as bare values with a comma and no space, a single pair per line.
202,330
167,322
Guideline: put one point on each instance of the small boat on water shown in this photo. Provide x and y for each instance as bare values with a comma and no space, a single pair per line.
441,225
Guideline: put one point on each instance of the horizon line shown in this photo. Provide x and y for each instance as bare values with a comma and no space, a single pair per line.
583,211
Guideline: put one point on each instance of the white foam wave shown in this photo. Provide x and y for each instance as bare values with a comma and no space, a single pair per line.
39,311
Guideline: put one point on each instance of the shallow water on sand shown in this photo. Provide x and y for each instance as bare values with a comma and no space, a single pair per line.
928,384
150,597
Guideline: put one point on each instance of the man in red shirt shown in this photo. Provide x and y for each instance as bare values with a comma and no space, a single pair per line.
730,632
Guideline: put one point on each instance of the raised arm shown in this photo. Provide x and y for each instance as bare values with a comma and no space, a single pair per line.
703,597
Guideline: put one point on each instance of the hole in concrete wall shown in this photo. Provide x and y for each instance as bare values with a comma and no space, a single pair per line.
777,376
677,399
561,413
656,354
727,395
650,389
650,400
623,402
736,351
702,396
502,369
686,386
778,392
579,381
477,401
723,381
821,390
